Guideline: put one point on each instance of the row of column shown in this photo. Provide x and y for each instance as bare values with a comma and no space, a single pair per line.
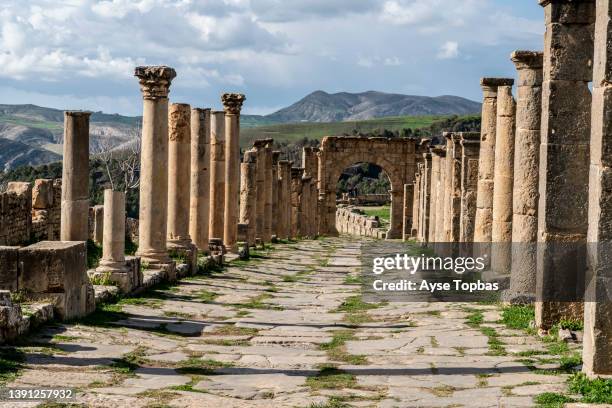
277,200
524,196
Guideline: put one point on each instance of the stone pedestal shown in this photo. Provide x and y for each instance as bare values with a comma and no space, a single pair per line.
199,197
154,85
526,172
217,175
564,160
597,352
248,195
503,181
232,103
75,177
179,161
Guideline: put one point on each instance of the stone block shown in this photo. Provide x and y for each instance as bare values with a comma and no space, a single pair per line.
569,12
57,271
42,194
9,268
601,145
571,52
10,317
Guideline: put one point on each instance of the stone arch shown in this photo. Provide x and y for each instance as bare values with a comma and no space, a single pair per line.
395,156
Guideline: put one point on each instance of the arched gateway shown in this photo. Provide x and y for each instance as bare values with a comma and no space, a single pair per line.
395,156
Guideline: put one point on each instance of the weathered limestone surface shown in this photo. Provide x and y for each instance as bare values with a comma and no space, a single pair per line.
597,351
232,103
75,177
152,232
96,223
425,197
296,192
217,174
179,161
113,246
529,65
16,214
452,188
503,182
248,194
9,268
304,206
57,271
433,203
416,205
275,180
470,150
199,196
440,236
284,220
260,146
268,193
566,124
486,164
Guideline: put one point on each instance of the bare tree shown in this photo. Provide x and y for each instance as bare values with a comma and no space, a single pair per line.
122,163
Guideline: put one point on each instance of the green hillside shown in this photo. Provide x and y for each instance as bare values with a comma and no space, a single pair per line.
291,132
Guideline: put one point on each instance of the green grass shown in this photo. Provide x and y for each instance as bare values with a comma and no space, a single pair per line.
551,400
383,213
94,253
333,402
571,324
331,378
11,364
336,348
206,296
355,304
596,391
353,280
518,317
197,366
292,132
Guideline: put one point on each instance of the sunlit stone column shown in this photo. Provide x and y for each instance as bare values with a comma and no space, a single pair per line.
259,146
304,220
296,192
440,198
416,205
503,181
597,352
564,160
248,194
75,177
217,175
200,178
179,160
470,149
232,104
526,172
152,227
447,192
486,165
268,193
426,177
113,243
433,203
275,157
284,209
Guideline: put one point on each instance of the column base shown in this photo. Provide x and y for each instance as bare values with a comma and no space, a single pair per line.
107,265
154,257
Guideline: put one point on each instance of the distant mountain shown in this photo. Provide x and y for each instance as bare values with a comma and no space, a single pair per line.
31,134
321,106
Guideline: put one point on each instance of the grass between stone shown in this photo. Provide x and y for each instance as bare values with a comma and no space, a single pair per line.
590,391
331,378
475,319
336,348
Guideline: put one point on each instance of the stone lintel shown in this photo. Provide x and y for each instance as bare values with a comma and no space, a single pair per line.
527,59
155,80
232,102
496,82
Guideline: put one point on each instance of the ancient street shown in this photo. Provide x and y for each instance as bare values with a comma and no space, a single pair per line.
289,328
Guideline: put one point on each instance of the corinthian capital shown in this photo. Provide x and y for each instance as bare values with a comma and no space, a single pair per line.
155,80
232,103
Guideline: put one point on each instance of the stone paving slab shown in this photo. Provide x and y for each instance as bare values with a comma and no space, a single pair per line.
265,340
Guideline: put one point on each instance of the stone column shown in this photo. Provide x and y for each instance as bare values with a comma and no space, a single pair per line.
275,157
470,149
454,209
407,214
296,192
564,158
284,216
439,201
484,199
433,202
232,103
248,194
75,177
304,220
179,160
416,205
217,175
447,195
526,171
154,84
200,178
113,246
259,146
501,229
597,352
97,216
426,178
268,193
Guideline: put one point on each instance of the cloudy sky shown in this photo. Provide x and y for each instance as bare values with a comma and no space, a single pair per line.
80,54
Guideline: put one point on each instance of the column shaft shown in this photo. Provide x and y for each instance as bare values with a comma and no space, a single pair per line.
248,194
200,178
152,226
268,194
407,211
470,149
217,175
113,247
75,177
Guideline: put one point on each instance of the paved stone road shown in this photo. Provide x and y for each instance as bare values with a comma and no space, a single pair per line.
286,330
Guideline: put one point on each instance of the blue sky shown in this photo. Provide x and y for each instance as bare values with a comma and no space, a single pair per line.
80,54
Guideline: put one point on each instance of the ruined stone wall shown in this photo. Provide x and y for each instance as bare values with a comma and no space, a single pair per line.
351,221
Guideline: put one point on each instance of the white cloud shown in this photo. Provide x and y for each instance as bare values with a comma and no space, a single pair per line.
449,50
